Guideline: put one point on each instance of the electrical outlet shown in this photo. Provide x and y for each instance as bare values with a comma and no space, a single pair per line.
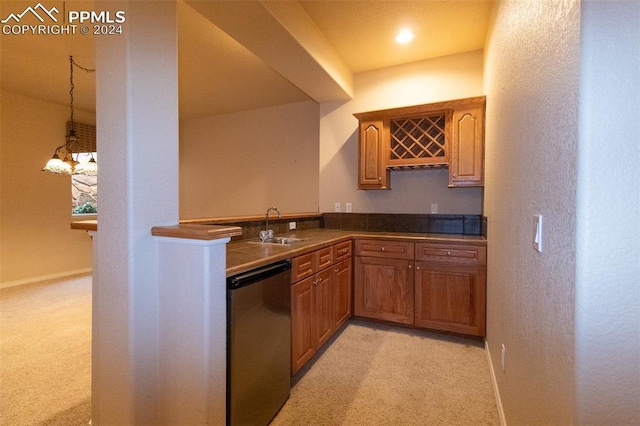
434,208
503,356
292,226
336,207
348,207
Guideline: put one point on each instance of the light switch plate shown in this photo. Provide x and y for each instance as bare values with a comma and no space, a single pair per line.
348,207
537,232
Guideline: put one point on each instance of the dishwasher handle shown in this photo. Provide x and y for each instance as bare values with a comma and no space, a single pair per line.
257,274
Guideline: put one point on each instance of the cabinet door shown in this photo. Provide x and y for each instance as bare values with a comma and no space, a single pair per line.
372,171
323,303
450,298
342,292
384,289
467,148
303,333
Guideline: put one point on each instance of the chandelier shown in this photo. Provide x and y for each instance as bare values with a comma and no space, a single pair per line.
63,161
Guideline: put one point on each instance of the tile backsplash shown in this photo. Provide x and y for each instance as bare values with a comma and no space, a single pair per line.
427,223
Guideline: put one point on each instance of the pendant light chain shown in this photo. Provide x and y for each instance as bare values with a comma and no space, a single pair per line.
71,64
73,126
62,162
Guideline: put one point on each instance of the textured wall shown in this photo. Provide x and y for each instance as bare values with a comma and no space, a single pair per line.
37,242
531,82
608,294
440,79
243,163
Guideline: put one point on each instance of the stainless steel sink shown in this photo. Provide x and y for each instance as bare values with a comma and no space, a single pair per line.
281,241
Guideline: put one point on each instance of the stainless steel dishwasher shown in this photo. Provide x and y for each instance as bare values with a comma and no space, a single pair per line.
258,344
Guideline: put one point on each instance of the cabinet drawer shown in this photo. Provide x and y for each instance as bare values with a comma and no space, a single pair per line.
382,248
308,264
324,258
448,253
342,250
302,267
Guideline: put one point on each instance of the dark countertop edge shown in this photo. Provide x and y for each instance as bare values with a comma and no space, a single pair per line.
264,255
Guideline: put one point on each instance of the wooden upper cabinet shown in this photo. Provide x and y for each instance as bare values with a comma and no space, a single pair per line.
444,134
372,171
467,147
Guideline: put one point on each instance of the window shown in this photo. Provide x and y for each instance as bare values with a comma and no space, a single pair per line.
84,189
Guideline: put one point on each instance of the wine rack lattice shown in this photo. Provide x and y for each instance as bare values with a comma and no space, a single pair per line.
418,138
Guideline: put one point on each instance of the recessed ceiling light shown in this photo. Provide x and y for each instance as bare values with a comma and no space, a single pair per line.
404,36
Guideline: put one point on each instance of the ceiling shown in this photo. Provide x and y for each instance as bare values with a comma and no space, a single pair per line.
218,74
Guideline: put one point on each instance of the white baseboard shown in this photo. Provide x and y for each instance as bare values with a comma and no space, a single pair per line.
67,274
496,391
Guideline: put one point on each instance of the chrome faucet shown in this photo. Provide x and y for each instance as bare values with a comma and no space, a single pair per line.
267,234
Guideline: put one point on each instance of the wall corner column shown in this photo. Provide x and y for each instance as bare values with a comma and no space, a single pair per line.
192,323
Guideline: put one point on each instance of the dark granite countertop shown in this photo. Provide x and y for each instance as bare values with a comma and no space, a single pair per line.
245,255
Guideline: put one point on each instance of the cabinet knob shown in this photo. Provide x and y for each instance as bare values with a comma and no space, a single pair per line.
379,177
448,253
417,267
411,266
336,270
382,249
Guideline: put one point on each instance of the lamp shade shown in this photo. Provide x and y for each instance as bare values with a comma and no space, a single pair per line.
57,166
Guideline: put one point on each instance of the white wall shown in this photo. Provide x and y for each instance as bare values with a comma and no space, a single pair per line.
608,232
440,79
138,148
35,214
244,163
531,80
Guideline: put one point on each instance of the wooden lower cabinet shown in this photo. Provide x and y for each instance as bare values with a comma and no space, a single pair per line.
320,303
303,336
450,298
342,292
312,316
323,301
384,289
444,288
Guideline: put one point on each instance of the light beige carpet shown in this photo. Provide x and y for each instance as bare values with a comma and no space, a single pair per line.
369,375
45,353
379,375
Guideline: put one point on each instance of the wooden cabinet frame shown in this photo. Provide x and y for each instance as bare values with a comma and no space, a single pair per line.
462,150
321,299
